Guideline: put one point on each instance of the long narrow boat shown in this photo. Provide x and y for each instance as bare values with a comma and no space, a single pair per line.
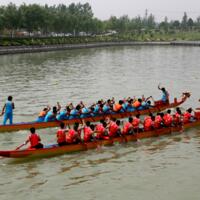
53,150
39,125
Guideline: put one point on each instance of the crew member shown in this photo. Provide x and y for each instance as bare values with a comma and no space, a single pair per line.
34,140
136,122
114,128
8,110
43,114
165,94
128,127
72,136
51,115
61,135
167,119
101,132
187,116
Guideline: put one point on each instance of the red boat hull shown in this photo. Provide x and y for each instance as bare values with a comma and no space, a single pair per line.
39,125
93,145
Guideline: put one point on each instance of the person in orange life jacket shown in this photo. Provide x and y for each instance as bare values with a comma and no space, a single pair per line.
114,128
43,114
137,104
177,117
187,116
148,123
136,124
88,130
8,110
61,135
165,94
101,132
117,107
167,119
158,121
128,127
34,140
73,136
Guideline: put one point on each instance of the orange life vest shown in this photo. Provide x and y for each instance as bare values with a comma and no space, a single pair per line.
177,118
34,140
113,128
100,131
42,114
117,107
126,128
158,120
87,133
136,104
148,123
186,117
136,122
167,119
60,136
70,136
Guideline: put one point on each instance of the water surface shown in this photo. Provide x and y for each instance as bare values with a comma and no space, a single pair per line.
158,168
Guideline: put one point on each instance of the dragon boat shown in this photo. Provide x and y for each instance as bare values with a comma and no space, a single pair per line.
159,106
52,150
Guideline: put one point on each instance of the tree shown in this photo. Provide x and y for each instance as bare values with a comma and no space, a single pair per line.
11,18
184,21
190,23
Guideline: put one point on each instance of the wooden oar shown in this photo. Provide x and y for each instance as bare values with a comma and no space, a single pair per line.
19,147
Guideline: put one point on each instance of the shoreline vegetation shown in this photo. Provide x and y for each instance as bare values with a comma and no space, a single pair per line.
45,48
34,28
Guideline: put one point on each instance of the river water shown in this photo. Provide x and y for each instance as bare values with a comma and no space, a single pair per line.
158,168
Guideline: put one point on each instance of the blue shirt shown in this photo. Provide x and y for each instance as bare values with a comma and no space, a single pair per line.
9,107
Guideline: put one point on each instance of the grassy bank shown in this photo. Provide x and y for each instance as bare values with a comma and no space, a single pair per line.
150,36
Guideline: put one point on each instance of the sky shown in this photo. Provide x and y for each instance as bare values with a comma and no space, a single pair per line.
103,9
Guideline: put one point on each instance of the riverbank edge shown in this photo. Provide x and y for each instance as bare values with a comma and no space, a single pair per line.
45,48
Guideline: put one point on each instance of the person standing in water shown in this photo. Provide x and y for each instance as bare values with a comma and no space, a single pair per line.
8,110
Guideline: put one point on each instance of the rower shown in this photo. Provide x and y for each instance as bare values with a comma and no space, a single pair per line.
117,107
51,115
43,114
187,116
101,131
148,123
158,121
61,134
137,104
8,110
114,128
98,109
64,115
75,113
88,131
106,106
136,123
85,112
177,117
167,119
34,140
130,107
72,136
128,127
165,94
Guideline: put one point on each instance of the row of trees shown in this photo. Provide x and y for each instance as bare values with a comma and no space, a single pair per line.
77,18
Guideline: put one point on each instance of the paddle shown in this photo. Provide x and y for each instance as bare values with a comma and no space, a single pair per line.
19,147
